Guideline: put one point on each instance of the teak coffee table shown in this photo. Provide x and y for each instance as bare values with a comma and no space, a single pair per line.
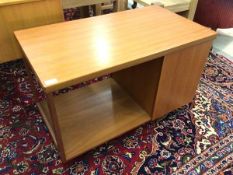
156,59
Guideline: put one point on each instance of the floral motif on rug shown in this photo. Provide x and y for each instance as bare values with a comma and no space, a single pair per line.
219,79
197,138
211,114
212,161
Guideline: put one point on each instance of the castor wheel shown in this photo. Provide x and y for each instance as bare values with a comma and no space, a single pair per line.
134,5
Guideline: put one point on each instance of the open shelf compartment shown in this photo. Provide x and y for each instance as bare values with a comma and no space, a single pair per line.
92,115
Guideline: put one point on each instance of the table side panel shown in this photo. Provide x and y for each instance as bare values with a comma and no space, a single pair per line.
43,108
179,79
141,82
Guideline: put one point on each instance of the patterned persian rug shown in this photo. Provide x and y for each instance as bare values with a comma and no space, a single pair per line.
195,139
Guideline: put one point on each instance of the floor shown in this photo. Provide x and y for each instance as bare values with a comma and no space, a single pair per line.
223,44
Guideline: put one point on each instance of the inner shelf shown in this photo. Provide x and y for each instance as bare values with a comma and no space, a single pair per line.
93,115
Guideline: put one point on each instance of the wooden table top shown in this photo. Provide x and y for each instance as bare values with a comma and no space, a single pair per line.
67,53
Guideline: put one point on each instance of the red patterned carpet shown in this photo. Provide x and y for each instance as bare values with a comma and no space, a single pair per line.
195,139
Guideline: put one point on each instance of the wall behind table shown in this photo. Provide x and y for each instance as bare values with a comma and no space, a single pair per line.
215,13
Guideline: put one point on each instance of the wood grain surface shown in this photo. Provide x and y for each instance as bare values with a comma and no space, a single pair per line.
90,116
179,79
20,15
141,82
68,53
14,2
